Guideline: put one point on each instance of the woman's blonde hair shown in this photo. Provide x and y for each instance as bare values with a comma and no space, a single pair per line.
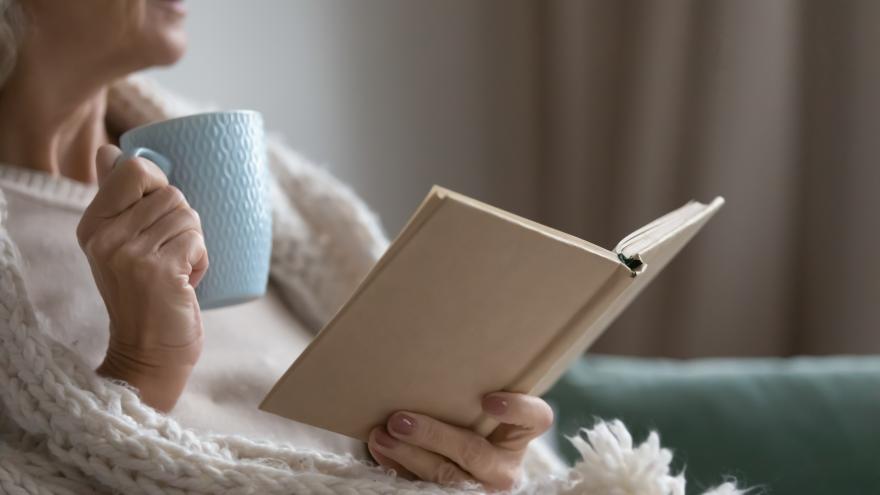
11,28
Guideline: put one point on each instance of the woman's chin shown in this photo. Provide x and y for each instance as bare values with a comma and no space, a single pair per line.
170,7
171,49
165,31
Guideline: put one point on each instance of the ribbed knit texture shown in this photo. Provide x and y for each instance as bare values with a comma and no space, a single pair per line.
43,212
65,430
262,337
53,190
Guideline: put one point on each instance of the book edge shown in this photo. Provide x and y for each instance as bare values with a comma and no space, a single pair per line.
424,211
533,225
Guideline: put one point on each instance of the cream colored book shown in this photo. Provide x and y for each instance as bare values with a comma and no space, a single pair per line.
469,299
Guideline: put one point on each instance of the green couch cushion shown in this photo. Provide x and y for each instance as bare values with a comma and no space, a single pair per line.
789,426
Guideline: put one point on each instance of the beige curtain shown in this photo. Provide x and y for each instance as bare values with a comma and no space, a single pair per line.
774,104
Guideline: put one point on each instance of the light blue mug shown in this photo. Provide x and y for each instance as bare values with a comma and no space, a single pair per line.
218,160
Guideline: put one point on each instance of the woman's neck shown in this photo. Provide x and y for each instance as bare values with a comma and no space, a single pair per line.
52,123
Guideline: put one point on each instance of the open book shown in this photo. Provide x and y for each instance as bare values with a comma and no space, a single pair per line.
469,299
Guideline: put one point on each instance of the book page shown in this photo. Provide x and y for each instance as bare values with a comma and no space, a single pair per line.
662,228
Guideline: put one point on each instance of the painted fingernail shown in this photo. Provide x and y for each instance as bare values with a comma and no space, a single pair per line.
494,404
402,424
384,439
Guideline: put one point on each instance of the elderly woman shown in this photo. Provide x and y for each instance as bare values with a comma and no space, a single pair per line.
64,101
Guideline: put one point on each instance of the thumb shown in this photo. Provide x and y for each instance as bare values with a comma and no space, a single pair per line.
106,157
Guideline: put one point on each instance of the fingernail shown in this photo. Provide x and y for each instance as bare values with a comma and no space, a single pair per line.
495,405
384,439
402,424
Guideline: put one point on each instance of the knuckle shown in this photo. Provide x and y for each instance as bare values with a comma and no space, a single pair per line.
118,262
81,234
188,220
145,171
150,168
545,417
175,195
473,452
193,216
129,258
194,239
200,241
445,473
203,254
430,433
142,173
99,245
141,267
176,218
123,258
137,166
88,247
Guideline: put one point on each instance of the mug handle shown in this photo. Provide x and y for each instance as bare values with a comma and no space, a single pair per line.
153,156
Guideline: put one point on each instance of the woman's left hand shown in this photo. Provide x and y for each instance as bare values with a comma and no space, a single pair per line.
417,446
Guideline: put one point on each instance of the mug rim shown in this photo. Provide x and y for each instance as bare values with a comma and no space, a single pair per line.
193,116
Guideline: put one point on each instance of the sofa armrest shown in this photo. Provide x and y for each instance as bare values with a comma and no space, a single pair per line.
796,425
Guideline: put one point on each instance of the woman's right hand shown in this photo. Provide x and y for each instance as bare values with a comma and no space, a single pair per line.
145,247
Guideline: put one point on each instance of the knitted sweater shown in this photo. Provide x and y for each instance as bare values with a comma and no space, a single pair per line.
64,429
247,346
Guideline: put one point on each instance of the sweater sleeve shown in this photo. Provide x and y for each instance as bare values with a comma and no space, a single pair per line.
325,239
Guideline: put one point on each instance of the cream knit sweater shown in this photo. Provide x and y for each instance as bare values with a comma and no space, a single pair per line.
63,429
247,347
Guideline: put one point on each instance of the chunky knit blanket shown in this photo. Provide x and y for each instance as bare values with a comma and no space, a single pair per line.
66,430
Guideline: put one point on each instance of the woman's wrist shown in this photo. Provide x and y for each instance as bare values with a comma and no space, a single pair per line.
160,386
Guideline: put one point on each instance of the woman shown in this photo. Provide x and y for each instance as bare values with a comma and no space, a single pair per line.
145,252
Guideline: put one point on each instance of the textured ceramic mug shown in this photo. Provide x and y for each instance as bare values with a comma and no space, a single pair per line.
218,161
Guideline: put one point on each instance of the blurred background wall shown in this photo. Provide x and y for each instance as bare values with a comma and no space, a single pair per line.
595,117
